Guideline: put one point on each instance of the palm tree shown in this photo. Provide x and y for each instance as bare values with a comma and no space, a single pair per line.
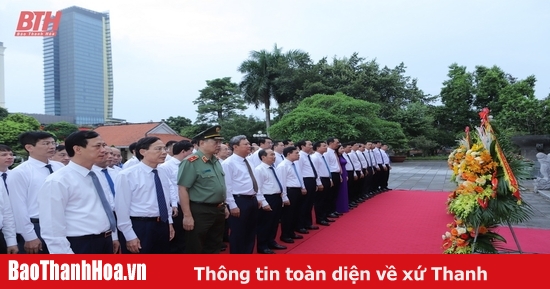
261,70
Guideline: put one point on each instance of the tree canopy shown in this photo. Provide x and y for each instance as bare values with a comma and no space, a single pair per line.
218,100
322,116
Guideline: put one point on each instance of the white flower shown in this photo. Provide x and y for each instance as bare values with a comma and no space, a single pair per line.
447,235
480,180
461,230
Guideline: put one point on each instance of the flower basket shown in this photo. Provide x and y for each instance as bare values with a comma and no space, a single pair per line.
487,192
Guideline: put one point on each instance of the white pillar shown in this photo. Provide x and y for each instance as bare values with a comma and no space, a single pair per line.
2,87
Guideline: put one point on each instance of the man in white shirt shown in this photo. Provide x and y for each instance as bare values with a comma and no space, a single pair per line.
169,152
270,191
278,148
224,152
241,197
133,160
6,161
334,165
382,170
75,215
387,164
254,159
117,157
180,150
293,186
321,203
24,187
106,176
142,201
312,182
373,188
368,170
8,243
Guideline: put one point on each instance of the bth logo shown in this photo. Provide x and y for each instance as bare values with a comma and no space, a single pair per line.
38,23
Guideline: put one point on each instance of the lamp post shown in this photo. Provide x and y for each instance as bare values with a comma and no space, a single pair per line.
259,134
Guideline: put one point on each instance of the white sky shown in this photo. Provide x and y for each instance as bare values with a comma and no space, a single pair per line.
165,50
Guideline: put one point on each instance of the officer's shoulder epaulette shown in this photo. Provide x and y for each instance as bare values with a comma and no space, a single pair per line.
193,158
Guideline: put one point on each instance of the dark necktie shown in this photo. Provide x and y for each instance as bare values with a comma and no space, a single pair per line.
49,166
163,210
104,201
365,157
4,176
352,166
298,175
254,183
357,155
372,159
109,180
326,164
312,166
282,158
277,178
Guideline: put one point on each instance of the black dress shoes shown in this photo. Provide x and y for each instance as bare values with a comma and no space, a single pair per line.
278,246
266,251
334,216
302,231
297,236
287,240
330,220
323,223
312,227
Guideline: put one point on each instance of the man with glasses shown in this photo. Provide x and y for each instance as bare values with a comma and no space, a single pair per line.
202,192
24,184
142,201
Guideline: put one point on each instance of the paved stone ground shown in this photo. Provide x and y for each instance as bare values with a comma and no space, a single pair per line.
436,176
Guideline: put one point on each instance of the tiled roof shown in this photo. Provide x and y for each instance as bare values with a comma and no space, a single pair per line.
124,134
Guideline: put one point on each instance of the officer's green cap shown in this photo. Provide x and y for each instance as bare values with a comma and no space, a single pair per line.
211,133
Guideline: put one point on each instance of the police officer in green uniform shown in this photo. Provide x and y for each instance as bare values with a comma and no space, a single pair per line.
202,190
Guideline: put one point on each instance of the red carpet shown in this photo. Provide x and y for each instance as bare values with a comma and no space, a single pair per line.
400,222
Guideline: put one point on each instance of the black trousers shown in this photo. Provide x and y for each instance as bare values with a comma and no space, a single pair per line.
307,205
92,244
321,203
334,192
242,230
206,236
177,244
369,179
3,245
21,240
289,217
268,222
154,236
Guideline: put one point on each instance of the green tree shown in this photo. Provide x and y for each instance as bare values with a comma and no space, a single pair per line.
321,116
61,129
3,113
218,100
521,112
13,125
178,123
194,129
457,96
239,124
262,69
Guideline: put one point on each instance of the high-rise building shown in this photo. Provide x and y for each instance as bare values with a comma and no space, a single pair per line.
78,71
2,88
